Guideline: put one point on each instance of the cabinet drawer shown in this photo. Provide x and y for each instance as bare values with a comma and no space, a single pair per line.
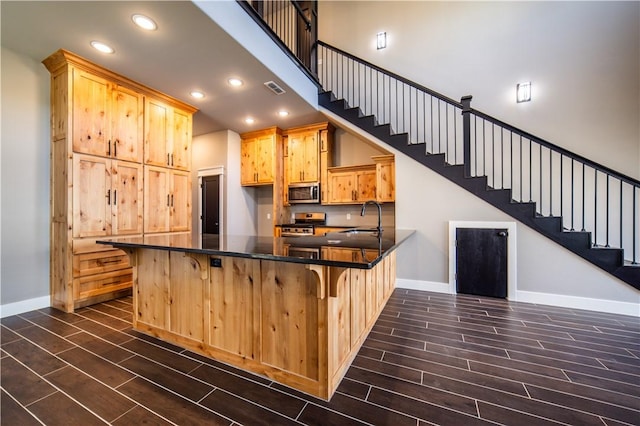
94,285
99,262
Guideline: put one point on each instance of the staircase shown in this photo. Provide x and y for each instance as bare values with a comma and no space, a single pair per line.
583,206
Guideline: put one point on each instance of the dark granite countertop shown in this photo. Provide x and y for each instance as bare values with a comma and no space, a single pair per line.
359,250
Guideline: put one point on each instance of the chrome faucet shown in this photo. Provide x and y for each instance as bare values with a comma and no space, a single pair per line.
364,208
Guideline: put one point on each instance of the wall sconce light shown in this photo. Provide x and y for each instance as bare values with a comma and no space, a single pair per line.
381,40
523,92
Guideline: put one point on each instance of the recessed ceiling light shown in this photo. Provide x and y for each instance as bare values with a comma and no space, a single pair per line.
197,94
283,113
235,82
102,47
249,120
144,22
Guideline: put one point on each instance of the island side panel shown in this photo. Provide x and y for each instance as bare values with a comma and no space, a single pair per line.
189,273
234,314
290,321
151,294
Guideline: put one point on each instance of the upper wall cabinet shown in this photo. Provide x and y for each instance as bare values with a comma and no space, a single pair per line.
167,139
258,156
107,118
357,184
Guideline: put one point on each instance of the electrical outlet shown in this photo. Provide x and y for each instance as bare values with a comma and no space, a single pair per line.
348,216
215,262
268,215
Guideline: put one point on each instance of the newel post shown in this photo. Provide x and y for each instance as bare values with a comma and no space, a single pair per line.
466,133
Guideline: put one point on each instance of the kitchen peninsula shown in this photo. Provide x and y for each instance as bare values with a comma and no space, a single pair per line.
258,304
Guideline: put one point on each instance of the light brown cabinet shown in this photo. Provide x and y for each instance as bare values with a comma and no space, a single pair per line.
167,136
167,200
98,146
357,184
107,118
258,156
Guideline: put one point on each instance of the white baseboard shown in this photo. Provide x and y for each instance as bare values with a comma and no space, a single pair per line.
423,285
24,306
573,302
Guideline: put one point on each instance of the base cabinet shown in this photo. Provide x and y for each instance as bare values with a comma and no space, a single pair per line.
300,325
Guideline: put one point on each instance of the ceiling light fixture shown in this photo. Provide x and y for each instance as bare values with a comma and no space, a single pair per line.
283,113
144,22
523,92
197,94
102,47
249,120
235,82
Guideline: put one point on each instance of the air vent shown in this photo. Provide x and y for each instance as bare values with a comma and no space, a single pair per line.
273,86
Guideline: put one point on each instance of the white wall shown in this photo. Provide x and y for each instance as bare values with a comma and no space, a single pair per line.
583,59
223,149
24,180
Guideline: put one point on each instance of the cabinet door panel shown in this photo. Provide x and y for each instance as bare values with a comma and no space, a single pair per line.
127,118
341,187
90,114
156,138
265,151
181,149
248,161
311,163
156,199
180,202
127,198
91,196
366,185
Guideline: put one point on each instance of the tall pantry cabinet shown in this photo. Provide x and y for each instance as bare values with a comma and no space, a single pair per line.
103,144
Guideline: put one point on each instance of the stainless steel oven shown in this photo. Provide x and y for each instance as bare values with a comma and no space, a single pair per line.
299,193
305,252
303,224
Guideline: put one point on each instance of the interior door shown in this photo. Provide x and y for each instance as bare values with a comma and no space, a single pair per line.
210,205
481,261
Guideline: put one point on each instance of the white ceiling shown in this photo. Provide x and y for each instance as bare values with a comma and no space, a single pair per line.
188,51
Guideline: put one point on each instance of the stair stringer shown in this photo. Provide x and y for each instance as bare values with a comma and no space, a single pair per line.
610,260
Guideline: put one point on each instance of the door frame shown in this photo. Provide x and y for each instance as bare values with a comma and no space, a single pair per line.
511,253
211,171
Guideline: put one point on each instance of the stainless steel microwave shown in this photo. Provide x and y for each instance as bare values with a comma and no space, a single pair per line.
300,193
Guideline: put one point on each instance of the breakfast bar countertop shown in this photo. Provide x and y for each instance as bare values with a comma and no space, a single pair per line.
364,250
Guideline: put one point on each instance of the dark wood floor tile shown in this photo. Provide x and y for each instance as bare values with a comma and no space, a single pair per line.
228,368
552,357
397,340
103,332
104,371
44,339
505,338
15,322
622,331
177,382
629,368
417,321
62,316
627,359
590,320
560,327
464,375
170,406
586,405
393,370
259,394
607,339
314,415
398,326
100,347
40,361
503,415
602,383
12,413
370,353
161,355
31,314
382,329
7,336
367,412
413,390
155,341
139,415
424,409
23,385
100,399
114,312
242,411
104,319
120,304
431,341
55,326
437,357
611,422
354,389
60,410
